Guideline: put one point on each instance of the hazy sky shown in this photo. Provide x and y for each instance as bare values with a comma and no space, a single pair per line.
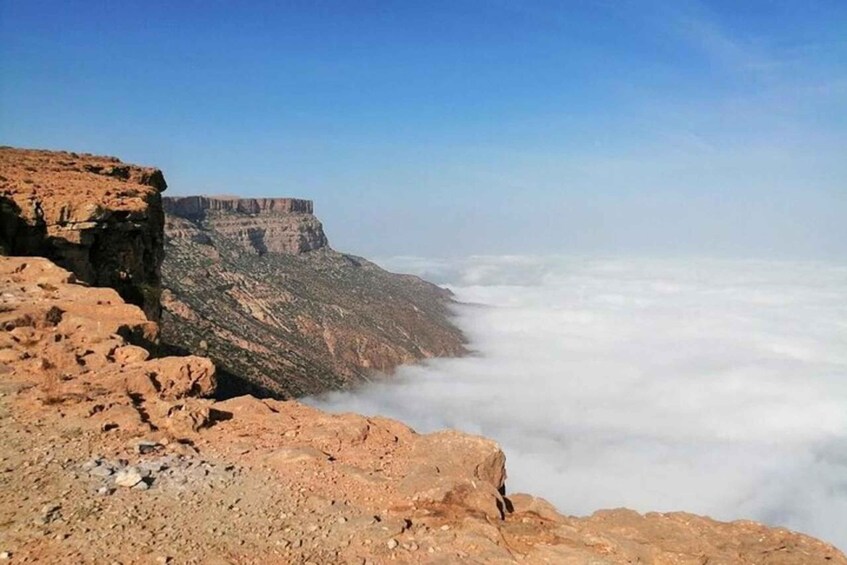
437,128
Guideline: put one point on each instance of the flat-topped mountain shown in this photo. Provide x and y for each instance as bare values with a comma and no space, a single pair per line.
254,284
260,225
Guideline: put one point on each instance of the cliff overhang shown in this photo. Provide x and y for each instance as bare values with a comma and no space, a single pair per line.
96,216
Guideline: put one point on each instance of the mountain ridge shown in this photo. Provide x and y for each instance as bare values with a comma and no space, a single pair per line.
255,285
111,453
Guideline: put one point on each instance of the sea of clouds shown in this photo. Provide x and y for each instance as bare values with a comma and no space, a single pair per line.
712,386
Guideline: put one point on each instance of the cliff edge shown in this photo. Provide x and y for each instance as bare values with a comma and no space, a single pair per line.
258,225
96,216
112,455
254,284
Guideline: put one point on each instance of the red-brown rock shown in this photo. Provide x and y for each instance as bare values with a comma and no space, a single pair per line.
96,216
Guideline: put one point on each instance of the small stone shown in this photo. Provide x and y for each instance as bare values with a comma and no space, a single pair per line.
50,508
163,559
445,527
141,485
392,543
100,471
49,513
90,464
145,446
342,520
128,477
5,555
156,466
104,491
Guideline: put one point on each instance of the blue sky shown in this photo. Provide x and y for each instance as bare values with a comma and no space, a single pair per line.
442,128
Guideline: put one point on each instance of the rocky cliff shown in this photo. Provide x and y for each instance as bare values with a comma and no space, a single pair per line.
98,217
254,285
110,455
258,225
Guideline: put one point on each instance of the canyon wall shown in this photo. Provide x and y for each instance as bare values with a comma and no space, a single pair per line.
96,216
197,207
254,285
258,225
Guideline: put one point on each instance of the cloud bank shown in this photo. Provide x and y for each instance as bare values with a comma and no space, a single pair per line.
712,386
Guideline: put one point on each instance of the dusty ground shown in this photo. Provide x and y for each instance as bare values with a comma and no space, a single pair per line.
204,511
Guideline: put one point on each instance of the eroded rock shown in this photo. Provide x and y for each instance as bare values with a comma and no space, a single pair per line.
128,477
95,216
441,494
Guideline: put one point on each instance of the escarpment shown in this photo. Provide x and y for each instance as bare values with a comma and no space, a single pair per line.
254,285
112,455
96,216
258,225
122,456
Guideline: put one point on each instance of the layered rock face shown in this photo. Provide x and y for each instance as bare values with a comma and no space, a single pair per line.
259,225
127,458
198,207
98,217
110,455
292,319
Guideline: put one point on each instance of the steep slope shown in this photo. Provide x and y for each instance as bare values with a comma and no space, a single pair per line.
112,456
98,217
254,285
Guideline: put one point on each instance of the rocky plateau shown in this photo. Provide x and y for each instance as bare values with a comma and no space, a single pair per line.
113,455
254,285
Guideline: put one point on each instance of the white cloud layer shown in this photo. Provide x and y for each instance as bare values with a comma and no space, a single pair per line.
711,386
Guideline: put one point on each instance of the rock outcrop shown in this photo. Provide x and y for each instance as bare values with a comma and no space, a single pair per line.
111,455
78,343
122,456
258,225
198,207
296,318
96,216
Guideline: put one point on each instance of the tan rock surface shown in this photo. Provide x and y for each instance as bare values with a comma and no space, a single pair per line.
265,481
96,216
